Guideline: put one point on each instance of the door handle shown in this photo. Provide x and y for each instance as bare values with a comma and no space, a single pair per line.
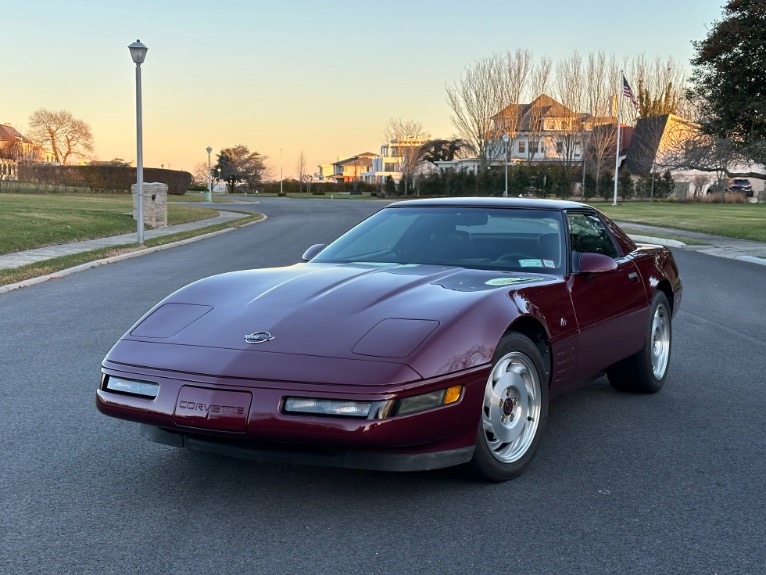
633,277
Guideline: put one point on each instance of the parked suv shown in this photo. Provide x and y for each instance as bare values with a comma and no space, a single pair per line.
740,185
734,185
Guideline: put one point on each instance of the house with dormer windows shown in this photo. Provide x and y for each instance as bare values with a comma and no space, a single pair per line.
542,131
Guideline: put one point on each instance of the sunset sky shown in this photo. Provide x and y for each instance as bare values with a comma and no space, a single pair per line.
295,75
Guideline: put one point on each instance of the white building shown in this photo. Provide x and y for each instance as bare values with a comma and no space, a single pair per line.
394,158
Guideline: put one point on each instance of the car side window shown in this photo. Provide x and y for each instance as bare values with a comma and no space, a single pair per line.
589,235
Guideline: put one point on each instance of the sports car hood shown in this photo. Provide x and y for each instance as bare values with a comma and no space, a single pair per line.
350,311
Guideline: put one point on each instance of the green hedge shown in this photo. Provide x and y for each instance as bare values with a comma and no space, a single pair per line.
102,178
324,188
542,181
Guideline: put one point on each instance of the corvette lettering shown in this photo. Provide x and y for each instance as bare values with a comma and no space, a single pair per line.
212,408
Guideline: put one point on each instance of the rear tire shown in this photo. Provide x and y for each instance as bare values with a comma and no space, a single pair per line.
514,410
645,372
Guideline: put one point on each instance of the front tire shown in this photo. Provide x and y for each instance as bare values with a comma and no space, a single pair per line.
514,410
645,372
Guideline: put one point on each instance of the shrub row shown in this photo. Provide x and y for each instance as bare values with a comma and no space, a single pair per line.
325,188
541,181
102,178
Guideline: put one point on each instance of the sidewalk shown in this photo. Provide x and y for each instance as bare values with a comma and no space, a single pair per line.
18,259
744,250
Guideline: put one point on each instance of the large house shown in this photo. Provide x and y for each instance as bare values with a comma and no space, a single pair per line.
347,170
543,130
396,156
15,148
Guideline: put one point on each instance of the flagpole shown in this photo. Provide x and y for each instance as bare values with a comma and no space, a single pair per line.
617,152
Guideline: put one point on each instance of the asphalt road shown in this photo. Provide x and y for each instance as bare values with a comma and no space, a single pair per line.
669,483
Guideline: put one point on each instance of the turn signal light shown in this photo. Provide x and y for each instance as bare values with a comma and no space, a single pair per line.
429,400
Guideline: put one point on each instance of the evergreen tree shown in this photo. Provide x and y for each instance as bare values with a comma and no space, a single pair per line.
729,77
390,186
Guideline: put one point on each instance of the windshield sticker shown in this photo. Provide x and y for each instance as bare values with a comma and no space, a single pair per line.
549,264
531,263
510,281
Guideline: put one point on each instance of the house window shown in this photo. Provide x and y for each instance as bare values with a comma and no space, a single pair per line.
522,147
559,147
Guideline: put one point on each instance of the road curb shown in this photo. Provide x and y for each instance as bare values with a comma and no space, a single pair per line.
659,241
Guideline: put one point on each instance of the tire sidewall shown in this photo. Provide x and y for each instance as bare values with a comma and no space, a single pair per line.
659,299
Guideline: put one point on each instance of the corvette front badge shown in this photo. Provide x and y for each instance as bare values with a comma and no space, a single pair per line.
258,337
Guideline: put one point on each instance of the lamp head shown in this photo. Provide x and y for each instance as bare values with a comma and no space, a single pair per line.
138,52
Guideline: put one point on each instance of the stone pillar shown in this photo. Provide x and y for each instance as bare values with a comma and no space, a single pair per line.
155,204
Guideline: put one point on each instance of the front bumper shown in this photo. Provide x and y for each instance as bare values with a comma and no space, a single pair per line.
430,439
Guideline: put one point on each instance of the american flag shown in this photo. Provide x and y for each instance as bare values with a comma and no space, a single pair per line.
629,93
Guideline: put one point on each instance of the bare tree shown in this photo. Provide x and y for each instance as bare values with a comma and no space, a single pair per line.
65,136
513,70
699,183
308,179
200,174
539,85
474,100
660,86
406,138
301,167
602,75
485,102
570,91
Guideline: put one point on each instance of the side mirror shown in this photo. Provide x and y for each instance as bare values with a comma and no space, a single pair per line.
589,263
310,253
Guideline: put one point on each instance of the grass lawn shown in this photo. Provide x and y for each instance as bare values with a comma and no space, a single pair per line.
29,221
742,221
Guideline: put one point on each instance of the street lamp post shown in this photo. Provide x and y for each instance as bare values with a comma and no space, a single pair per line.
506,139
138,54
209,197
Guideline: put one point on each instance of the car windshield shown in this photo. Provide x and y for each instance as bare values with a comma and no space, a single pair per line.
739,182
480,238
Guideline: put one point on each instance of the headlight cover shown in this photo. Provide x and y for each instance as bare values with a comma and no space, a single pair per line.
372,409
309,405
130,386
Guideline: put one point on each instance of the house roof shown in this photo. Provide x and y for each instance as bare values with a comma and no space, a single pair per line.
363,159
658,138
541,107
9,133
645,144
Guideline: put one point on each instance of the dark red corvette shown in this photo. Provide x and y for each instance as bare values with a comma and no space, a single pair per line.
432,334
